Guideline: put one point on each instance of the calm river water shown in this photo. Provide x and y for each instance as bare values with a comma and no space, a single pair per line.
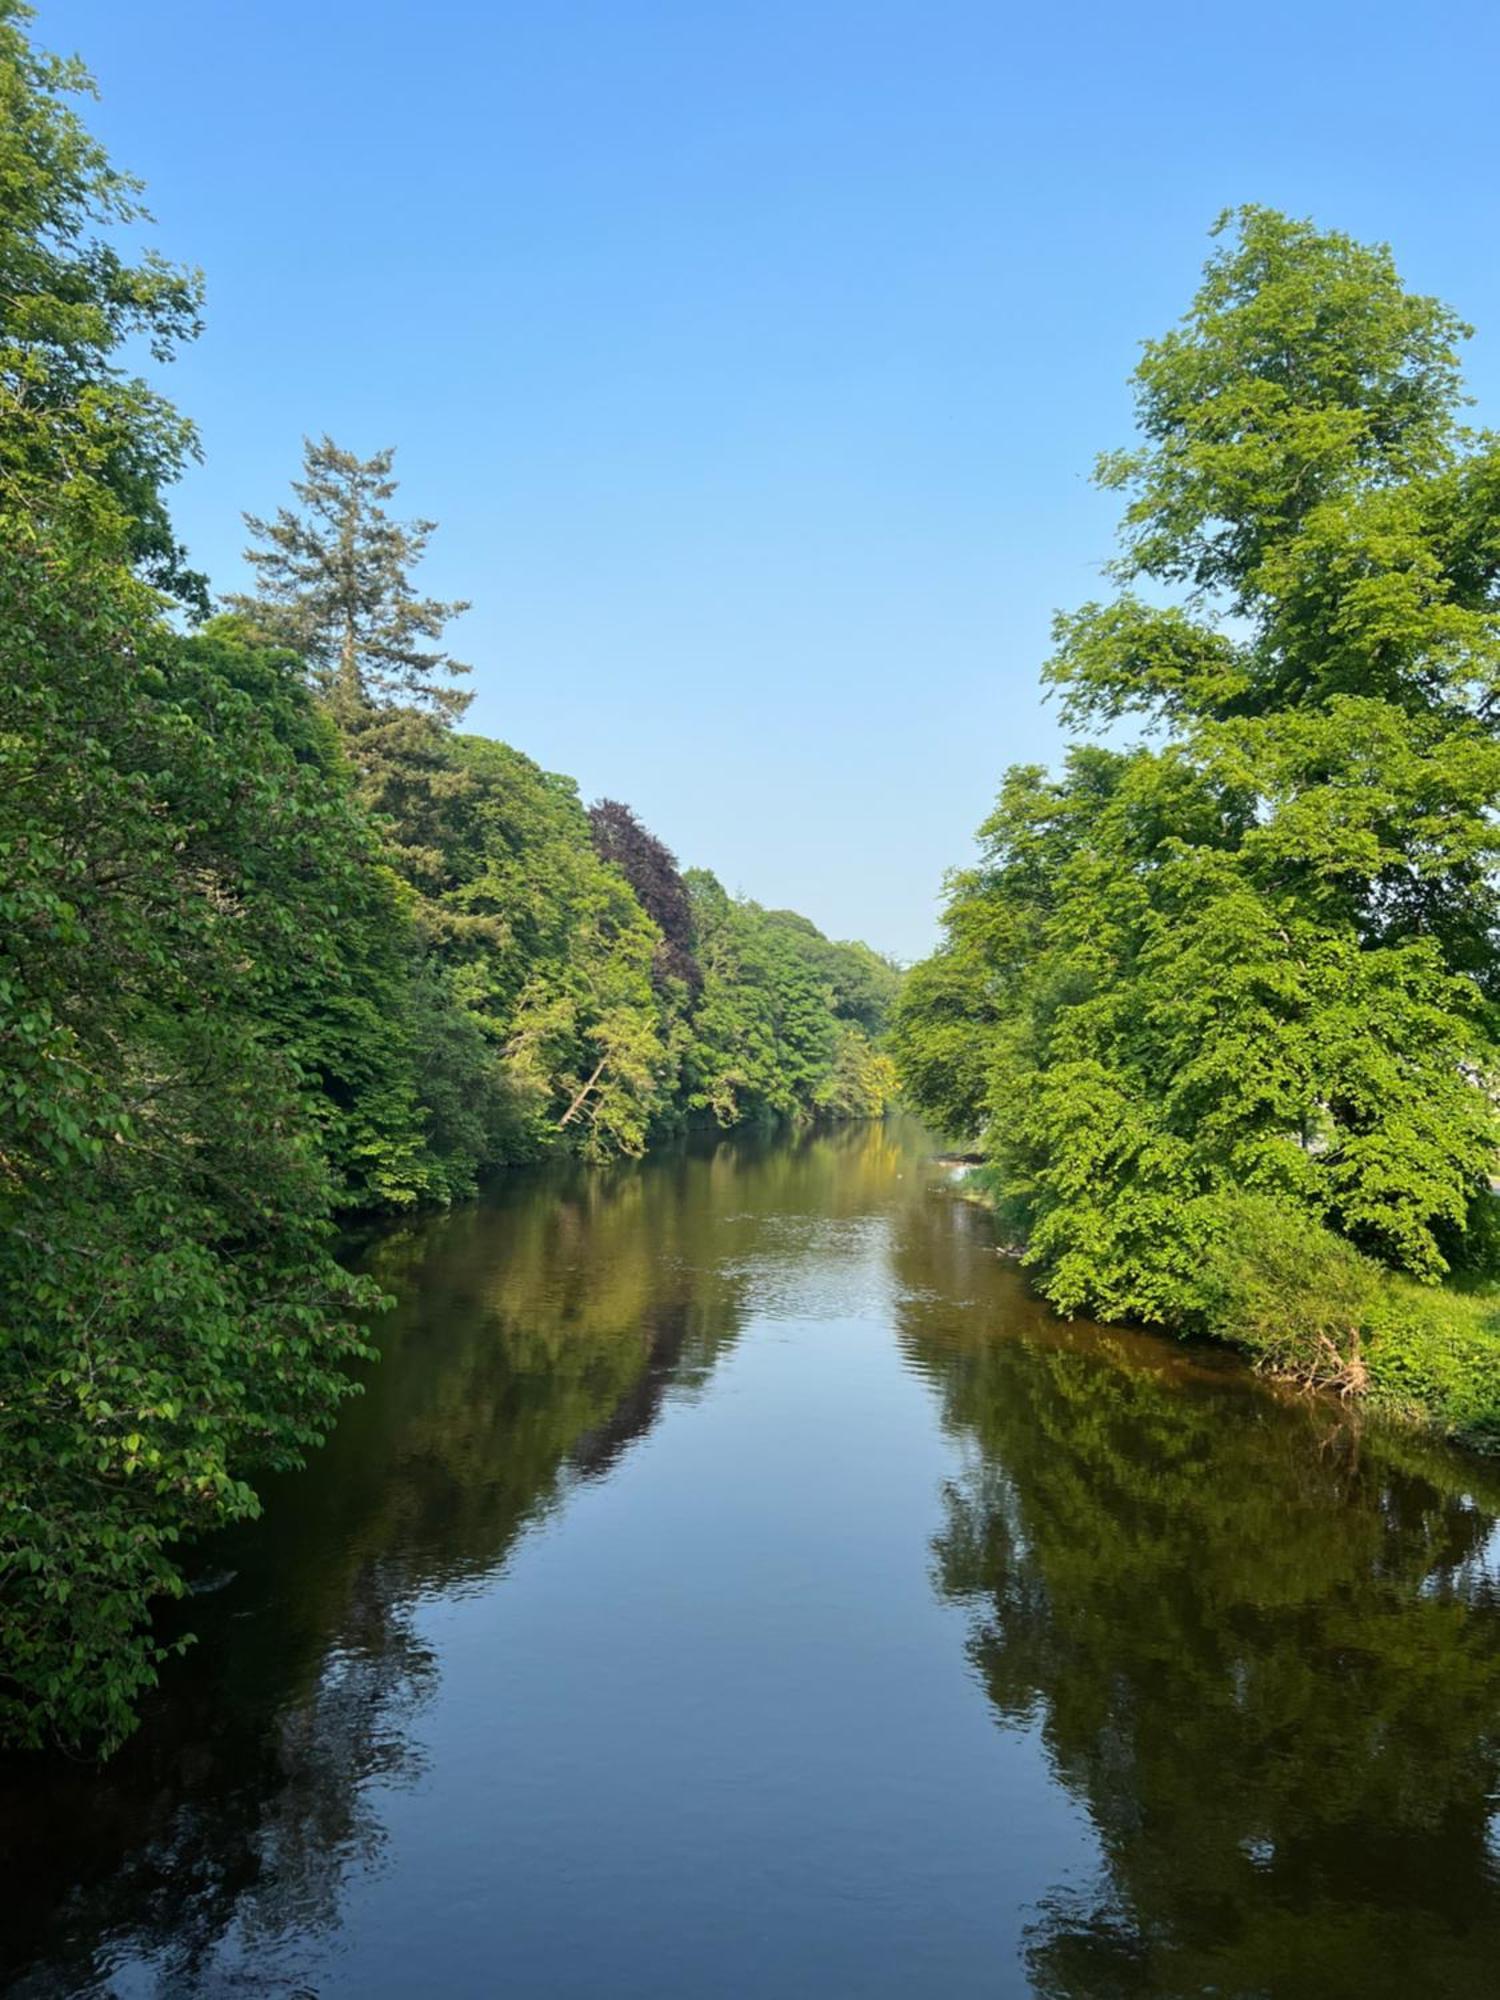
732,1583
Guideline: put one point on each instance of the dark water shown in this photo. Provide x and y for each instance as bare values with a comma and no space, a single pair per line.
732,1584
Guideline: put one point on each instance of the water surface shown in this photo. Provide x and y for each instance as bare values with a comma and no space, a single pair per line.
732,1583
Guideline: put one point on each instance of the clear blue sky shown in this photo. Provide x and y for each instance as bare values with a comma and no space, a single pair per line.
753,356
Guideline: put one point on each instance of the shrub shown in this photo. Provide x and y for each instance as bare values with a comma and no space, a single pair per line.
1309,1306
1297,1297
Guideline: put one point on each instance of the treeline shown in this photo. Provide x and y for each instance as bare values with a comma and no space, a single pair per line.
277,942
1222,1003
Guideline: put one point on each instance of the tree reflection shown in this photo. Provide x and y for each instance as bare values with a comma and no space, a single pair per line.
1262,1645
542,1334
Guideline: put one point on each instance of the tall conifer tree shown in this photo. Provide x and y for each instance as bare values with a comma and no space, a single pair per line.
335,585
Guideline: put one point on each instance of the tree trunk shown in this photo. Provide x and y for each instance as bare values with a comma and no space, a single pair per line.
577,1105
349,689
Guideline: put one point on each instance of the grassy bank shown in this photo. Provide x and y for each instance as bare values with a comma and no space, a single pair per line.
1305,1305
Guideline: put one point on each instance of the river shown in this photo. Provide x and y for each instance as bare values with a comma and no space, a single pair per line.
732,1583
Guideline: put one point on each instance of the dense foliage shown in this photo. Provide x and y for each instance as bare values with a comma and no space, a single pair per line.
171,1315
783,1023
1254,953
275,943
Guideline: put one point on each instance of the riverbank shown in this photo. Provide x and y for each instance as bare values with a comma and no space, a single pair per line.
1307,1307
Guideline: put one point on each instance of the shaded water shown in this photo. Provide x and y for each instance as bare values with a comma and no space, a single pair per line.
732,1584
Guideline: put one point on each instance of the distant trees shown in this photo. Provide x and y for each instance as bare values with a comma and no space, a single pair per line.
553,959
775,1031
1257,952
561,959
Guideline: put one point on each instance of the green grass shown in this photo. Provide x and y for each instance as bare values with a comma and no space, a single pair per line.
1305,1304
1433,1356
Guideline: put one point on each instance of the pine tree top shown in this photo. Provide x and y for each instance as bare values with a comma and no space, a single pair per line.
334,577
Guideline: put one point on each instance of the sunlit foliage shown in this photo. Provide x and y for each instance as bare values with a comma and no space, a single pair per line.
1256,950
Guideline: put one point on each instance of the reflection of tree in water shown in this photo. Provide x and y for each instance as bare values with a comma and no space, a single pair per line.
267,1855
1264,1652
543,1333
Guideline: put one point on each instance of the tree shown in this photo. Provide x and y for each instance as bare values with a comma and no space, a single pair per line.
1258,953
554,955
335,586
399,1074
172,1316
651,870
81,438
861,985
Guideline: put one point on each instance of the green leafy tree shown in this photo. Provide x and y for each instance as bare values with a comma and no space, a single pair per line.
1258,952
555,958
171,1318
860,985
81,437
397,1072
861,1079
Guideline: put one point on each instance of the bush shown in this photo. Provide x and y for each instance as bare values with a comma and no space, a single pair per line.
1294,1295
1307,1305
